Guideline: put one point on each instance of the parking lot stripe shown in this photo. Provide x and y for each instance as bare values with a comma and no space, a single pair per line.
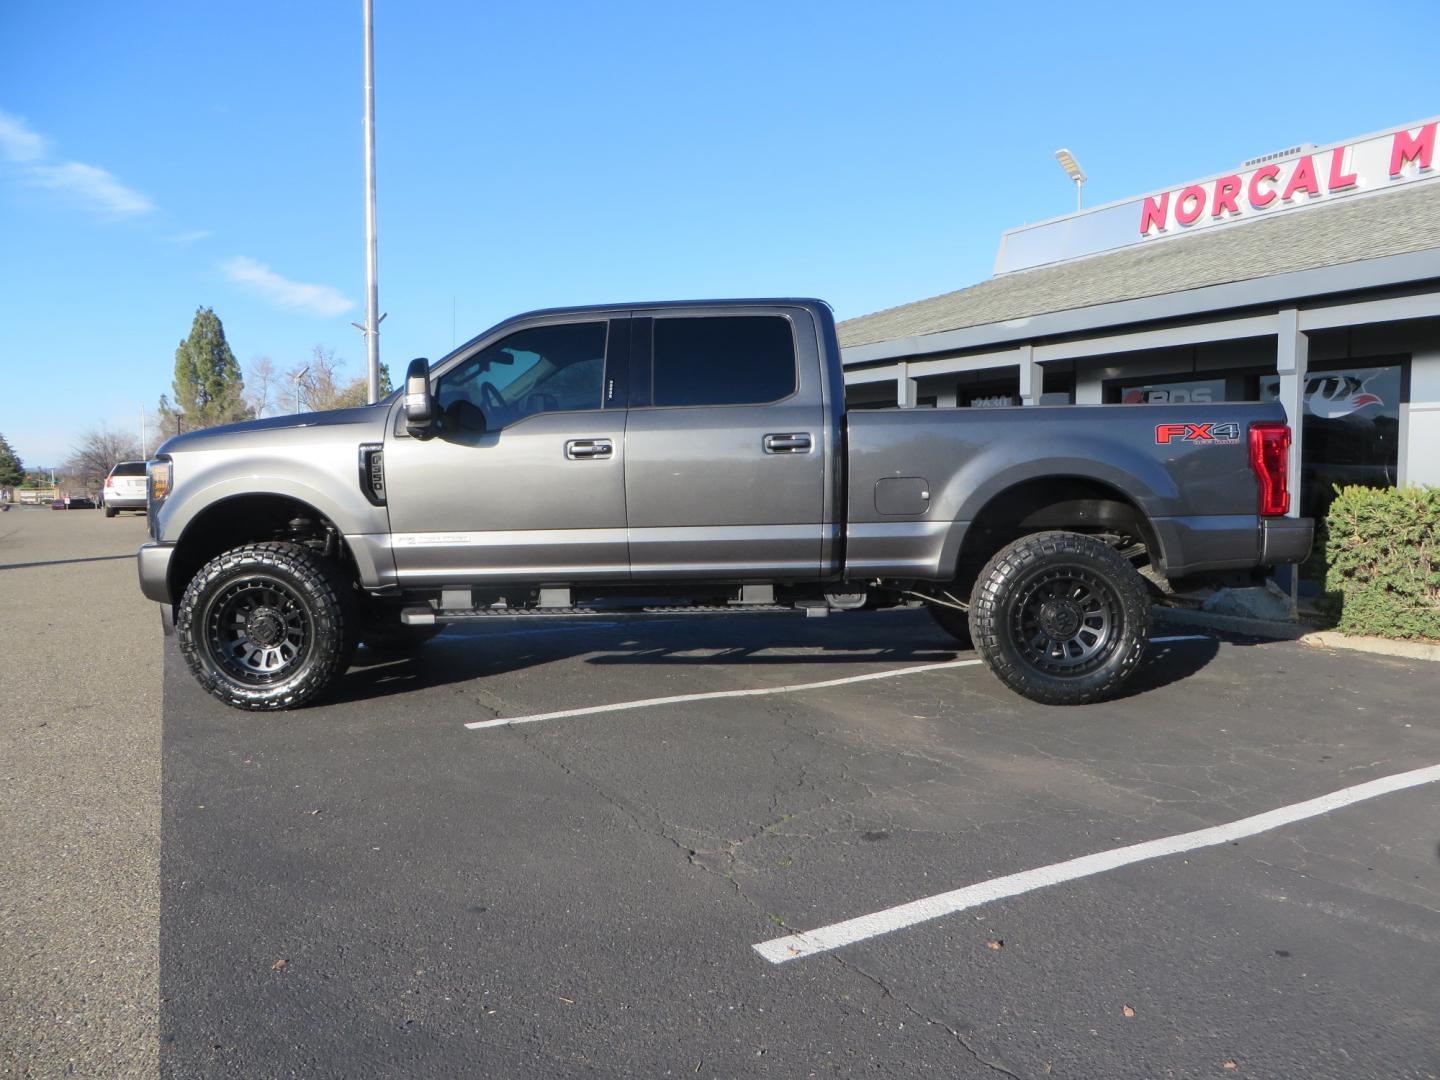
507,721
809,942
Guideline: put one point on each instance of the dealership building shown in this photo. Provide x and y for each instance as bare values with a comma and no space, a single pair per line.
1310,276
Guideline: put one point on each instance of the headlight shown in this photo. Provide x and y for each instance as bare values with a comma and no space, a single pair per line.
159,479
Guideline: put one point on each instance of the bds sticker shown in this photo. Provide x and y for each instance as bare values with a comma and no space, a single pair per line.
1212,434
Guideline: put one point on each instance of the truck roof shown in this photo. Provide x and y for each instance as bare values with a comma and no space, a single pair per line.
644,306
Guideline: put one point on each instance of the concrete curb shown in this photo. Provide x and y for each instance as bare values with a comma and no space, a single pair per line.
1410,650
1232,624
1288,631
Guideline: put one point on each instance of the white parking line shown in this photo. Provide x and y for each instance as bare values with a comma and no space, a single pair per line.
809,942
507,721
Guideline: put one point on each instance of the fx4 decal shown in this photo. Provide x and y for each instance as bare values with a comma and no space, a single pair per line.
1211,434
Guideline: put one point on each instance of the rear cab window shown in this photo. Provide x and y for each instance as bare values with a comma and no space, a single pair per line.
129,468
722,360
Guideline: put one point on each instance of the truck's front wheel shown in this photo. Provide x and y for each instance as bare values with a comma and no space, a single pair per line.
267,626
1060,617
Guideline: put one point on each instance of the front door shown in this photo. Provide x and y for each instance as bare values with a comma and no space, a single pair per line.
526,479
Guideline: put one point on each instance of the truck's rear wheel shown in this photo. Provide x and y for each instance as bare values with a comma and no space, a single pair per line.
1061,618
267,626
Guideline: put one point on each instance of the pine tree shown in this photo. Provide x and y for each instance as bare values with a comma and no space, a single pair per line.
209,388
12,473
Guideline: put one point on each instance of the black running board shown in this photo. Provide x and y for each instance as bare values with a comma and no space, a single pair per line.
428,616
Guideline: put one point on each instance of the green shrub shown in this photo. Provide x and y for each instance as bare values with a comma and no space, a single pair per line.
1382,548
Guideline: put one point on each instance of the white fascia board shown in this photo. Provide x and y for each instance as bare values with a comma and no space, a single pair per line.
1392,309
1169,337
889,373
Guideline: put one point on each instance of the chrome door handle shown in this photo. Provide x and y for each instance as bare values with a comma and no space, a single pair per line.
793,443
579,449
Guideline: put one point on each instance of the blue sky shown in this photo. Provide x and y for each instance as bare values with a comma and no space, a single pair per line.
155,157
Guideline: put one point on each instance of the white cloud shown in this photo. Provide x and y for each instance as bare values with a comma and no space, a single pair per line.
190,236
18,142
260,279
91,185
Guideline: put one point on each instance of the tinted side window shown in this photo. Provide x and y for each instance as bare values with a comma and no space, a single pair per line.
543,369
129,468
723,360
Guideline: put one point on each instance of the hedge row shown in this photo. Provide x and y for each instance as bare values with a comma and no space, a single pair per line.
1382,548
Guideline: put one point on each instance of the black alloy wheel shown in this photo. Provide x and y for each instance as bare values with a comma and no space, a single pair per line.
1060,617
258,629
267,626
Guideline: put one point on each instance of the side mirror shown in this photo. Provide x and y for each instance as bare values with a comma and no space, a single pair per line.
419,402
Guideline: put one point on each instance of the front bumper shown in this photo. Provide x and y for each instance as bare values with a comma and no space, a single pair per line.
1285,540
154,564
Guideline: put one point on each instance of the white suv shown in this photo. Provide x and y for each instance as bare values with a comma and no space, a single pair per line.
124,488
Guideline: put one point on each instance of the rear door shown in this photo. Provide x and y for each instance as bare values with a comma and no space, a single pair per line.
725,446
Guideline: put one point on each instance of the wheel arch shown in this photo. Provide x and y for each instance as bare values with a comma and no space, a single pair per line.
246,518
1071,502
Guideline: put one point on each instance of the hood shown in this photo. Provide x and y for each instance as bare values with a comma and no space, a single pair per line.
246,430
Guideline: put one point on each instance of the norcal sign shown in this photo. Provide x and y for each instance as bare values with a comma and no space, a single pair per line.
1277,184
1341,170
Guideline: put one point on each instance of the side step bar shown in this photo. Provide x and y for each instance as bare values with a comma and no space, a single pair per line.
428,616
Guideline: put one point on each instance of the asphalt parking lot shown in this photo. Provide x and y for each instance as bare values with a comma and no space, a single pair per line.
370,888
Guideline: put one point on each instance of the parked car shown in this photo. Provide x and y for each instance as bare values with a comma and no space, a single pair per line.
81,502
567,463
124,488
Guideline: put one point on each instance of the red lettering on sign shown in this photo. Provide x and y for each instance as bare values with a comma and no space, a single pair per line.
1302,179
1339,179
1261,199
1405,149
1166,433
1190,205
1226,189
1199,432
1153,213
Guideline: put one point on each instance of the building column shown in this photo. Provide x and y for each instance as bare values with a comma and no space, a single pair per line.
1292,362
1032,376
1089,387
906,389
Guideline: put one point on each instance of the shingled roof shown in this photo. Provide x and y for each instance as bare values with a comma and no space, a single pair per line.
1393,223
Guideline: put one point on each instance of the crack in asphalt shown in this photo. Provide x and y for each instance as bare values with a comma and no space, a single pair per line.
887,992
729,850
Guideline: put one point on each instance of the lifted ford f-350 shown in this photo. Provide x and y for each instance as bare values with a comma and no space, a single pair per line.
696,458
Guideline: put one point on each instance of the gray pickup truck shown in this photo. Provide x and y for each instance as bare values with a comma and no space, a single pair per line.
696,458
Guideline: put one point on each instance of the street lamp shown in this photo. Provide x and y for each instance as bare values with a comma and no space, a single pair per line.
298,377
372,287
1072,169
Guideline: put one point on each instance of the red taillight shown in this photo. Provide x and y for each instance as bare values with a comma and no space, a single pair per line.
109,481
1270,458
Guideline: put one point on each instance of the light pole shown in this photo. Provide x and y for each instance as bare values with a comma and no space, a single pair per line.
372,286
1072,169
298,376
